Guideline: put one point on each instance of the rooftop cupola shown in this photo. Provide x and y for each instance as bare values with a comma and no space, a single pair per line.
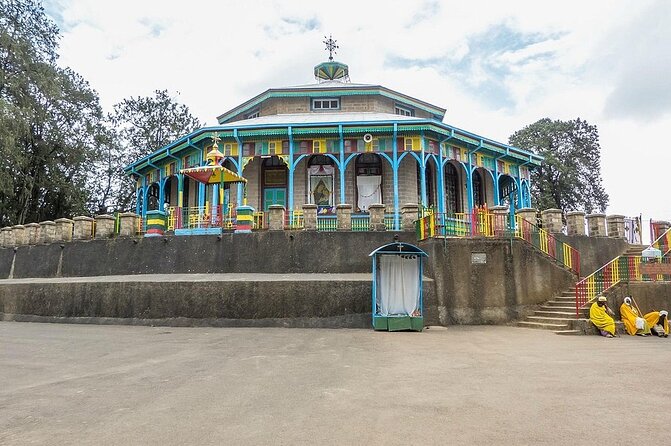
331,70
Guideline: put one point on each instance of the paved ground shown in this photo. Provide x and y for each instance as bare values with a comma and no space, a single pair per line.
104,385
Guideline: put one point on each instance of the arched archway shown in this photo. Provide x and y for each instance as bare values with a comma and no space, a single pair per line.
507,190
273,182
153,197
477,183
453,192
321,181
429,183
368,170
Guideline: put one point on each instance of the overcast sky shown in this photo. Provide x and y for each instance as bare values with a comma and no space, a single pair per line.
496,66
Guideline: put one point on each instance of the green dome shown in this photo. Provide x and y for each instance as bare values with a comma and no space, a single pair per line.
332,70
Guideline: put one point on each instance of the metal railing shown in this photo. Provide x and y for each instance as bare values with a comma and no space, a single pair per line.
360,222
620,269
327,223
481,223
294,219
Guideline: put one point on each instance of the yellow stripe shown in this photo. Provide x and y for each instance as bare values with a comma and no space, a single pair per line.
155,221
245,217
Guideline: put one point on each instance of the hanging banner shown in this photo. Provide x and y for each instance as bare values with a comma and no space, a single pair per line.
632,230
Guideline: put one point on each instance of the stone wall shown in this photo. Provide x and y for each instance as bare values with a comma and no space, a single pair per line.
513,281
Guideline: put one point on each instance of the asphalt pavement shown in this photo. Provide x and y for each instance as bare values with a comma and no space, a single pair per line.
126,385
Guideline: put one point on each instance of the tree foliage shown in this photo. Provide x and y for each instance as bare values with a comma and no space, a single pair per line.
570,177
49,118
141,125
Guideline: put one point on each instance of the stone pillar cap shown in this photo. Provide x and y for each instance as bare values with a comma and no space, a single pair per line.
32,225
409,205
7,228
498,208
553,210
376,205
244,207
615,216
49,222
104,217
575,213
18,227
661,221
62,220
309,206
275,206
595,215
343,206
82,218
128,214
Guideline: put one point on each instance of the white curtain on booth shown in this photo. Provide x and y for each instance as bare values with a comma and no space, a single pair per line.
368,190
398,286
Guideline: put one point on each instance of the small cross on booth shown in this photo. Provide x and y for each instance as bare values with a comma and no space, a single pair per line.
397,287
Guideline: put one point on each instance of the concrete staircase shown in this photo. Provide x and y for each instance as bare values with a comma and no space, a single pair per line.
557,314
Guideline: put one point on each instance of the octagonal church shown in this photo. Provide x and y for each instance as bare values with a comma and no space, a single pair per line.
327,143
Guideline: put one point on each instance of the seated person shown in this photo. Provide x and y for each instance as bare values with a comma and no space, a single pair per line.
633,322
659,322
598,314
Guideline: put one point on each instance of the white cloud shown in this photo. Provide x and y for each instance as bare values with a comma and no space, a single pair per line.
604,61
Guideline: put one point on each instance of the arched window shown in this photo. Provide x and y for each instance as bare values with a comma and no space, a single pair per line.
321,172
478,195
452,189
368,167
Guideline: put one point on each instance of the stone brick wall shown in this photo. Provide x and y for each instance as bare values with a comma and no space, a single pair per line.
252,173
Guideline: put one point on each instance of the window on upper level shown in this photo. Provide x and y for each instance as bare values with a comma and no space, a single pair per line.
326,104
252,115
403,111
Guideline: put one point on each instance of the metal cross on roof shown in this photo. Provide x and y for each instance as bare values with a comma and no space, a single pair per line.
331,46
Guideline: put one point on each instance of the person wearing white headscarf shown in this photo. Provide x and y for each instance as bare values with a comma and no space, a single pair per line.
632,320
659,322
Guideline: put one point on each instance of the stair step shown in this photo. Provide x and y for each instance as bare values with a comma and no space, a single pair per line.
560,303
557,308
549,320
541,325
564,314
565,297
567,332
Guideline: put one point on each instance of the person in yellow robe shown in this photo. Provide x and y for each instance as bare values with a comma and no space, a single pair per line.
633,322
598,314
659,322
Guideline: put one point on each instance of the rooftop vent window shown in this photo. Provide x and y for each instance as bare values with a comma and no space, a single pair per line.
326,104
403,111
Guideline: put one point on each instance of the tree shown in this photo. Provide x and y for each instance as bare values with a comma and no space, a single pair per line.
49,118
142,125
570,176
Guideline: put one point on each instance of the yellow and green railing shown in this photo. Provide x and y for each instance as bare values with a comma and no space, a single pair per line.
482,223
620,269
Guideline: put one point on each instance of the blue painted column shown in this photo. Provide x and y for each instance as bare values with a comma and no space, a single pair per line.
137,199
341,166
397,220
441,182
469,183
240,167
161,192
497,197
422,170
180,190
290,198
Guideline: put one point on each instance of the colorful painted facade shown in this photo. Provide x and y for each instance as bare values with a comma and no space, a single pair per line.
328,143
